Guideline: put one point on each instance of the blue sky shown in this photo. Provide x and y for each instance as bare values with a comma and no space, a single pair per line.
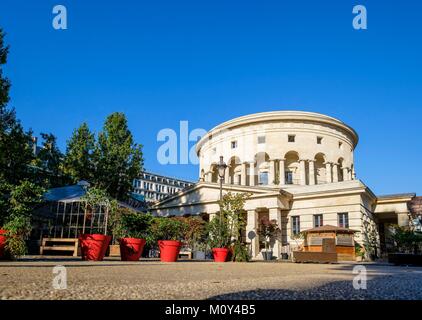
161,62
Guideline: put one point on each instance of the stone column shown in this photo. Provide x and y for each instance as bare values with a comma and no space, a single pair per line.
252,173
346,174
312,172
227,176
328,172
335,172
275,214
271,176
244,174
302,172
209,176
282,172
236,179
252,232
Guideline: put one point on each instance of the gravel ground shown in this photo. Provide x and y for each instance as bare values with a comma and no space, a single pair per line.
146,280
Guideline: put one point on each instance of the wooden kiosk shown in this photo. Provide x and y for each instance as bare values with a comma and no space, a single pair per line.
327,244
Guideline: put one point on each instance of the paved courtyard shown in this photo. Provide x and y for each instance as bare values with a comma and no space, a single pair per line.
112,279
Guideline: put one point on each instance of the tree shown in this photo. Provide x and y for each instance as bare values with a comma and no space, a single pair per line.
226,228
15,150
50,161
78,162
118,160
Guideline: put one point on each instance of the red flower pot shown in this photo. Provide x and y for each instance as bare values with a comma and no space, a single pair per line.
94,246
220,254
131,249
169,250
2,242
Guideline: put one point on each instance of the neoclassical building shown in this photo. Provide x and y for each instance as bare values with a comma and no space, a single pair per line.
299,169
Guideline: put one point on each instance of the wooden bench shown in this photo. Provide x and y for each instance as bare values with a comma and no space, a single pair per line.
57,244
186,253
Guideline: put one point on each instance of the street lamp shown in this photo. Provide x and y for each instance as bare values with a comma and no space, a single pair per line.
221,167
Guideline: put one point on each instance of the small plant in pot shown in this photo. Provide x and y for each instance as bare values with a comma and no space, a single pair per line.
133,232
268,230
219,238
169,232
94,246
196,237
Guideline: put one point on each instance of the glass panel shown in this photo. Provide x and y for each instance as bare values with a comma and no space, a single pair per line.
263,178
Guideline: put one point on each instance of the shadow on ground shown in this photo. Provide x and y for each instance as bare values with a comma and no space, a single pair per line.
404,286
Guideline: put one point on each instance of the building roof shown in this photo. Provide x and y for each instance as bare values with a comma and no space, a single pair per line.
396,196
68,193
165,177
329,228
282,115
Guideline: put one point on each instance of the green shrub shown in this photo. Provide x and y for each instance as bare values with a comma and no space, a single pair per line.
219,235
168,229
133,225
240,253
407,241
18,229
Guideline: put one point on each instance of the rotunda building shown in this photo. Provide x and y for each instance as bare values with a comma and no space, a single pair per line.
298,168
279,148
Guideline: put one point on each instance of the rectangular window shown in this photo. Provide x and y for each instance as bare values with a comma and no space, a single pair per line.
295,225
319,140
261,139
340,145
289,177
318,220
263,178
234,144
343,220
291,138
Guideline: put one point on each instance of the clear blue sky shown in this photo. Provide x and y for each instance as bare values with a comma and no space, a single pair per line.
161,62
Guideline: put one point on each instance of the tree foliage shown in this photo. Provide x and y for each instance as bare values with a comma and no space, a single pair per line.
15,151
118,159
49,163
406,240
78,162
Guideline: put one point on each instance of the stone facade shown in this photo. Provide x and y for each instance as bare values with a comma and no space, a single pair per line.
299,168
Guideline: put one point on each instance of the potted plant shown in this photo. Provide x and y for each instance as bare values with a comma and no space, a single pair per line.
195,237
219,238
15,231
16,205
225,230
268,229
133,232
169,232
2,243
94,246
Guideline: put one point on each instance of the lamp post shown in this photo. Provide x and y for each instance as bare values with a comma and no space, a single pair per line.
221,166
